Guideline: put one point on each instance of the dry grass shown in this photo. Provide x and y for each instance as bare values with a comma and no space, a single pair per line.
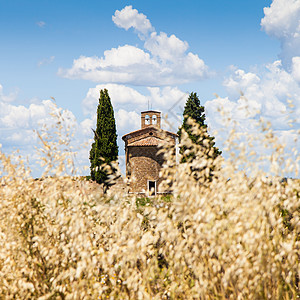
229,239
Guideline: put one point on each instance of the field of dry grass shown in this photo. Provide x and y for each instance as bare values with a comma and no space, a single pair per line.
235,237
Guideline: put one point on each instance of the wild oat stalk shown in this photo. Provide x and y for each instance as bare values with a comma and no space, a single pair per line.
235,236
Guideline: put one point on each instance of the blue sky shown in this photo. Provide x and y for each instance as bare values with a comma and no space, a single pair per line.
70,49
222,33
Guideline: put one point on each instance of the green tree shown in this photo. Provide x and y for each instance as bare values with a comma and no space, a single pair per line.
194,115
104,149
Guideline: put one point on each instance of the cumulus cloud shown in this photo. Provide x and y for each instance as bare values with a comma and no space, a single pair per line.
296,68
18,120
282,18
127,121
167,97
282,21
264,95
121,97
32,117
163,61
19,123
239,81
16,126
125,64
167,48
131,65
131,18
267,93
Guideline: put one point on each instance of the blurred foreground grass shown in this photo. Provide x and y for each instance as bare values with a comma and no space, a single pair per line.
217,239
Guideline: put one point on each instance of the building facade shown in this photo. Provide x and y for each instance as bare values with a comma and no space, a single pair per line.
143,162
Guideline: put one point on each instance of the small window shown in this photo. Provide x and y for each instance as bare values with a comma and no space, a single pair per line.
147,120
154,119
152,187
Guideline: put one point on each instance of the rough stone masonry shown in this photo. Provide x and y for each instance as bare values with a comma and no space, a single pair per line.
143,163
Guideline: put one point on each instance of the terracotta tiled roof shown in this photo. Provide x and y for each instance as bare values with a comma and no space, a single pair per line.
148,141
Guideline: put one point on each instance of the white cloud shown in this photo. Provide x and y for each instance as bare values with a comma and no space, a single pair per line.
131,65
296,68
131,18
125,56
126,64
239,81
87,125
127,121
121,96
165,98
282,18
18,124
267,91
282,21
163,61
166,48
265,95
19,117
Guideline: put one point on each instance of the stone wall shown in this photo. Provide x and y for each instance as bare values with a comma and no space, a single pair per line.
144,165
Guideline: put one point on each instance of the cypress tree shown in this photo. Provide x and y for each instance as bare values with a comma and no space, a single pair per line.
104,149
194,110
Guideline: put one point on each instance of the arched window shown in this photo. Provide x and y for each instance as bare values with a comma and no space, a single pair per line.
154,119
147,120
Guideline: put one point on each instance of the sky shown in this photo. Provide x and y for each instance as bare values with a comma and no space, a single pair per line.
147,54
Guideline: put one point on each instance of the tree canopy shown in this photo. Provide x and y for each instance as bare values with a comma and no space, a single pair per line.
194,114
104,149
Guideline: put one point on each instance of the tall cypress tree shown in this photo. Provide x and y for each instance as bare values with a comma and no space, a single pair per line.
194,110
104,150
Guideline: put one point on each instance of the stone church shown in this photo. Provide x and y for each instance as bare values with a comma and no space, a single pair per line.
143,163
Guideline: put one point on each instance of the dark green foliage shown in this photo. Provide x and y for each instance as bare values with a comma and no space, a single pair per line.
195,111
104,149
